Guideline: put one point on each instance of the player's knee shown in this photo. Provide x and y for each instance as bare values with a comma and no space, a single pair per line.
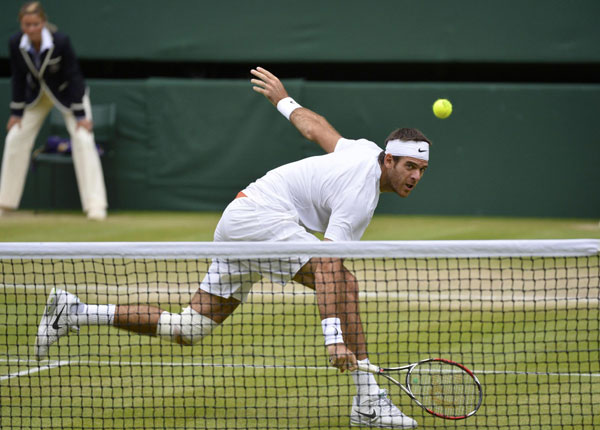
186,328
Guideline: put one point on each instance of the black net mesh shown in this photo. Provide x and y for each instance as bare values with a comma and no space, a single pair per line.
528,328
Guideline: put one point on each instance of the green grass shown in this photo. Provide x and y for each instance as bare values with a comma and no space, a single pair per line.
265,367
23,226
387,227
536,375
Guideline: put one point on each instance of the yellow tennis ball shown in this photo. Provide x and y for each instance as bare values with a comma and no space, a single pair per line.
442,108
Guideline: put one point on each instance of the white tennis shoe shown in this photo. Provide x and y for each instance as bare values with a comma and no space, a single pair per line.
378,411
55,321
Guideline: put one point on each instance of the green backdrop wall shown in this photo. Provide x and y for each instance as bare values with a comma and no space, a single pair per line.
527,150
191,144
316,30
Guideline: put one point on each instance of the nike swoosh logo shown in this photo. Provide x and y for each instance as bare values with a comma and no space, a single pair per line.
372,415
55,325
422,150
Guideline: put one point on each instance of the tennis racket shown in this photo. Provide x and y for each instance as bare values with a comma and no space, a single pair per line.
442,387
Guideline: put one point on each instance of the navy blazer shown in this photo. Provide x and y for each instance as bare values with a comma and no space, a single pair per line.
59,73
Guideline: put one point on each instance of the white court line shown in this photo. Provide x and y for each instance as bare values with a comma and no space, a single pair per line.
272,366
33,369
170,364
509,296
517,372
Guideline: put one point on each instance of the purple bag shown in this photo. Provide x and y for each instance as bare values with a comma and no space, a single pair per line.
58,145
62,145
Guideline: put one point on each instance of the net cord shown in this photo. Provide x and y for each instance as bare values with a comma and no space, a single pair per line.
374,249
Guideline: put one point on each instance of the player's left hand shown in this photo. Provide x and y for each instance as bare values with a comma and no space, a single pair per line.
268,85
85,123
341,357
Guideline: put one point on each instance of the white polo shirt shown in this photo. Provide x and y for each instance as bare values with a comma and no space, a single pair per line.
335,194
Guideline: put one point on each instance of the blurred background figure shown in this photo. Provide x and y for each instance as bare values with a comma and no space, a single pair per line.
46,73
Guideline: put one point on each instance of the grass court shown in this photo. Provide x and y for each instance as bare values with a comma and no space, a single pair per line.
535,351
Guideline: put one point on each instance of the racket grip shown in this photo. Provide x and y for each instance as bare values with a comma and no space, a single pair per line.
371,368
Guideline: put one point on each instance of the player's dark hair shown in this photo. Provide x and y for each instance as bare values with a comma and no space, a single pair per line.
404,134
407,134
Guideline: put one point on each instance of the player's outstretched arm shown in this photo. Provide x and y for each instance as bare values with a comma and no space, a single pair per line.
337,299
311,125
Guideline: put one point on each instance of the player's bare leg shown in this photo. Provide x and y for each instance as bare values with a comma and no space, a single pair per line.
198,320
139,319
214,307
144,319
65,312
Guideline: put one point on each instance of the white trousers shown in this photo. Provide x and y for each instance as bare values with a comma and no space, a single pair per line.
17,153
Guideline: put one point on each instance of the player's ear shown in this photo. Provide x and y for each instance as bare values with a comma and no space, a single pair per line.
388,160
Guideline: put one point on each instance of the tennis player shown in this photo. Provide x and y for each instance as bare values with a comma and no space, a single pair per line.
335,194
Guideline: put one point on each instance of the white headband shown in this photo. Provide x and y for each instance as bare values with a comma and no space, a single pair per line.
411,148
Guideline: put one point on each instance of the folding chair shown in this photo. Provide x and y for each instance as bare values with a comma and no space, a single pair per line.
104,119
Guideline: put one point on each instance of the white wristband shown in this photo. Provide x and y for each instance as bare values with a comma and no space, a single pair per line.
332,331
286,106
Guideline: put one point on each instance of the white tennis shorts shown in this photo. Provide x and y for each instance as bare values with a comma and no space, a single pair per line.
248,220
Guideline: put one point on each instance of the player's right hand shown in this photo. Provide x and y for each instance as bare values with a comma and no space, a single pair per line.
341,357
268,85
12,121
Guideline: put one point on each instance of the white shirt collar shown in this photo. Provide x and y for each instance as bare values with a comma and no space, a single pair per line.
47,41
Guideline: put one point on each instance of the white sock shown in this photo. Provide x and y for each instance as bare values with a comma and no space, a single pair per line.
93,314
365,382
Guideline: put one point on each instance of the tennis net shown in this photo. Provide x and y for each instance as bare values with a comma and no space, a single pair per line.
523,315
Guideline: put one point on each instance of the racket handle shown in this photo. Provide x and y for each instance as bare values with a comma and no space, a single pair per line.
371,368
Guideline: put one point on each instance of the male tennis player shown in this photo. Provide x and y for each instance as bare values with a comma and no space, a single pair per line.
335,194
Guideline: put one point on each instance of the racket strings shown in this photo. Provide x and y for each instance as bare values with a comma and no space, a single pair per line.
444,389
